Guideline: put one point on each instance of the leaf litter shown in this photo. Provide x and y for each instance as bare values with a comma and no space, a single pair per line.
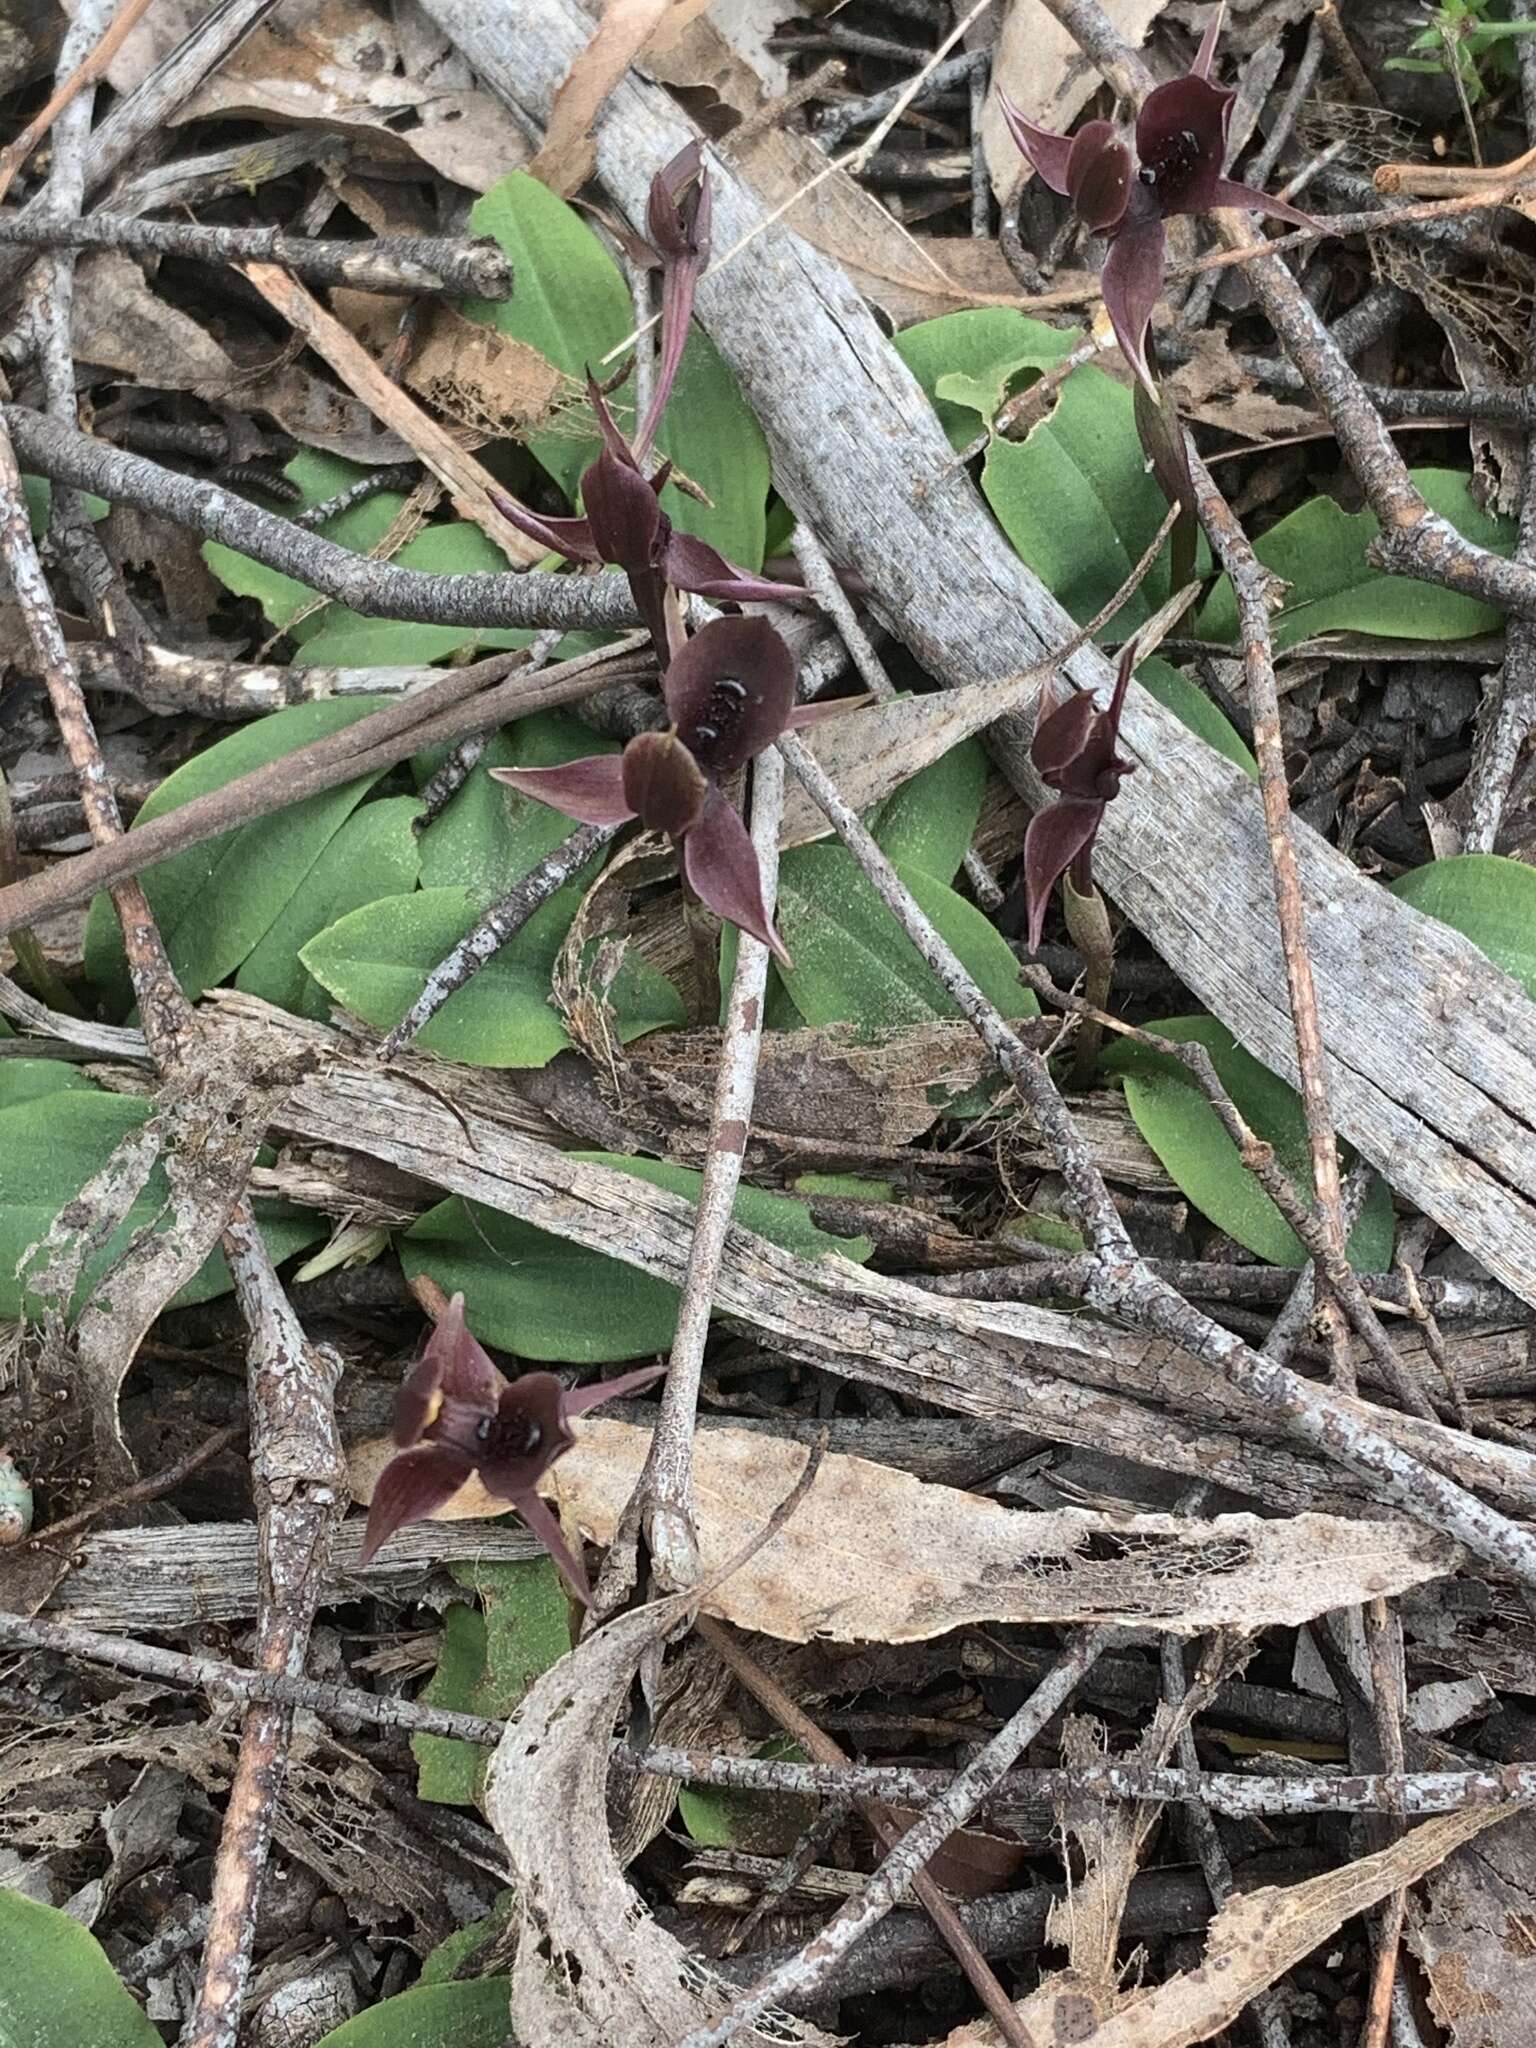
909,1261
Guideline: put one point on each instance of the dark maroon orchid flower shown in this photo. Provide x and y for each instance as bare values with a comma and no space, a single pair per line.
730,692
624,524
1181,146
1074,750
456,1416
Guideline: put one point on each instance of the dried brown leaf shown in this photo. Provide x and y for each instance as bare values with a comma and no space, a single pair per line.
1255,1938
879,1556
569,153
490,383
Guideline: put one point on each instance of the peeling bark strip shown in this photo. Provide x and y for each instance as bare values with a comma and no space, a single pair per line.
1058,1375
1432,1051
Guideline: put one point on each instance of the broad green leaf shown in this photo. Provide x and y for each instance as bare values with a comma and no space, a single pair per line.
488,836
930,821
49,1149
1320,551
1186,1134
349,640
523,1628
573,306
1078,503
376,960
374,854
26,1080
215,901
853,962
978,355
362,528
549,1299
1488,899
468,2015
850,1186
441,1966
571,303
758,1823
57,1989
1191,706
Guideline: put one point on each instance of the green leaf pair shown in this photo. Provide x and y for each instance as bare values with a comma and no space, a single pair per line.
546,1298
54,1141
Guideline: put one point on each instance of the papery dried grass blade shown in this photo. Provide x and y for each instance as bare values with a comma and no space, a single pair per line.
569,154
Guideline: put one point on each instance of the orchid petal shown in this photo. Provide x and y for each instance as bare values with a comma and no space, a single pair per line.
590,790
664,783
577,1400
678,219
1132,281
544,1523
452,1367
629,528
1056,836
1226,192
1099,176
721,866
1181,142
677,213
614,442
412,1486
1061,734
569,537
1046,152
730,692
692,564
1205,56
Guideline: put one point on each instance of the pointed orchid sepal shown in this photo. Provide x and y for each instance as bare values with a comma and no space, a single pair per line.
458,1417
1075,751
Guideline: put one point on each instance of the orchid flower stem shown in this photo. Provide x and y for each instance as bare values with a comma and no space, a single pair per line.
1093,935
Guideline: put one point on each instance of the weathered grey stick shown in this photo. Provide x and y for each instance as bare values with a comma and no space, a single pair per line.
436,264
1054,1374
1431,1050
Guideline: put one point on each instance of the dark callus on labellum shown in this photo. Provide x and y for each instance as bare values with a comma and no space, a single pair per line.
729,693
457,1417
1176,167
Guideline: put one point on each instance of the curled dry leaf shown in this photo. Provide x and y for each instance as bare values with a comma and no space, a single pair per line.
593,1967
878,1556
1255,1938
